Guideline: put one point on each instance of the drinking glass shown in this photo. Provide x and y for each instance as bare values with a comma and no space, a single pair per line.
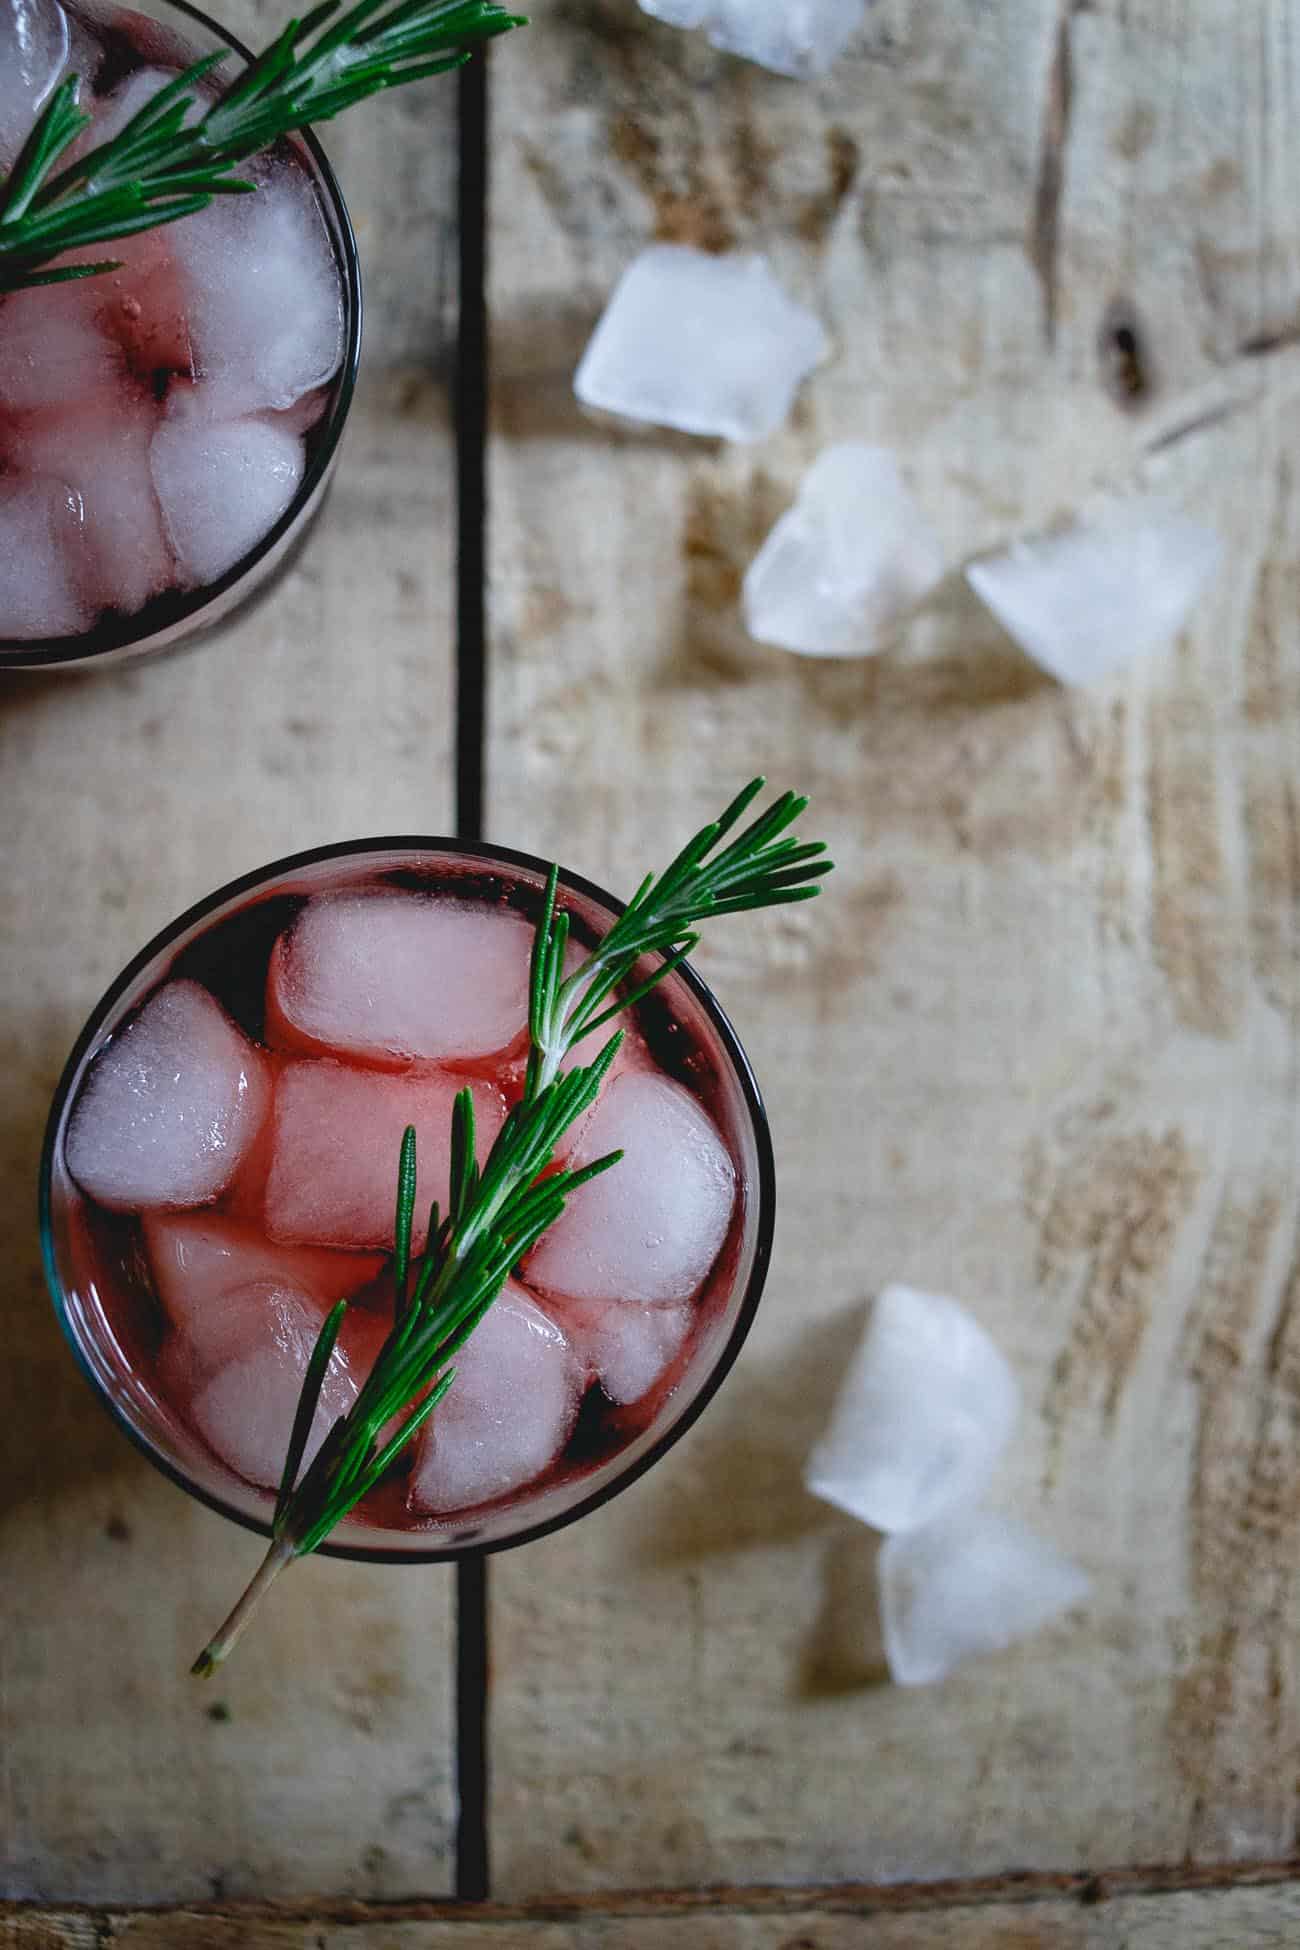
224,942
180,615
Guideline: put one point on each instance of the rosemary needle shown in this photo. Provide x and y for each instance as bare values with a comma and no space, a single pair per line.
497,1210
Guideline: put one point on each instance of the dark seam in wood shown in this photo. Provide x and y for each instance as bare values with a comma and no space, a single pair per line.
1049,185
471,438
1211,417
1265,342
1027,1887
471,1878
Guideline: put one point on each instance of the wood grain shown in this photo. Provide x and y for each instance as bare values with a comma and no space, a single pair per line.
1037,1046
1205,1919
324,1759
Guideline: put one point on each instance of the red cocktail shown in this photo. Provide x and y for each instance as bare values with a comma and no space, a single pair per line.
219,1171
166,429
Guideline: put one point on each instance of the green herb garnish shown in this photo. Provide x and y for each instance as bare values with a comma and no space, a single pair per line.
498,1211
157,169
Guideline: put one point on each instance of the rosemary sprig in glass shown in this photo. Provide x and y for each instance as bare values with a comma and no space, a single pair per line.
496,1212
167,163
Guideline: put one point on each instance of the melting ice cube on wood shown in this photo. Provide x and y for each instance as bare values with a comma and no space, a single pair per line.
171,1106
971,1583
508,1414
843,567
710,345
679,13
388,977
336,1137
33,49
649,1229
1086,601
795,37
922,1415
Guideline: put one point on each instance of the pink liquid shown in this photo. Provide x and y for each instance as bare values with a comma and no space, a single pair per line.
157,421
111,1256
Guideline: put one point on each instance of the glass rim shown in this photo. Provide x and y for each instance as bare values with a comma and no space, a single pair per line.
765,1191
48,653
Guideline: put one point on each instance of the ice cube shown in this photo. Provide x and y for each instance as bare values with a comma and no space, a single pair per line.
632,1348
172,1104
40,537
336,1136
267,1309
141,307
508,1413
388,977
266,308
800,38
103,456
33,49
1092,598
247,1373
116,109
199,1259
53,351
678,13
221,487
843,567
710,345
972,1582
923,1412
119,327
302,416
795,37
627,1349
648,1229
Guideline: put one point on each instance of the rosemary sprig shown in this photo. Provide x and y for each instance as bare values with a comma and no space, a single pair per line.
757,869
168,162
496,1212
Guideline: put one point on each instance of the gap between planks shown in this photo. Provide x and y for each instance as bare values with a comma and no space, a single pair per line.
471,1862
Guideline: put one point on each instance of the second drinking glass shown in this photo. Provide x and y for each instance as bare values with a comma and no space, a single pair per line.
167,430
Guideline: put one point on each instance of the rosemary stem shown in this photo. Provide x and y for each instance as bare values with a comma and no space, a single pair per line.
223,1642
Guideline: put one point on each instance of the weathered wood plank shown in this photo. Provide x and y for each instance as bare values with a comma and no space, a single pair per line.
1038,1045
324,1760
324,715
1247,1919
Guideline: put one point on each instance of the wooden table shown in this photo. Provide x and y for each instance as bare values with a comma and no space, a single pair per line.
1037,1047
